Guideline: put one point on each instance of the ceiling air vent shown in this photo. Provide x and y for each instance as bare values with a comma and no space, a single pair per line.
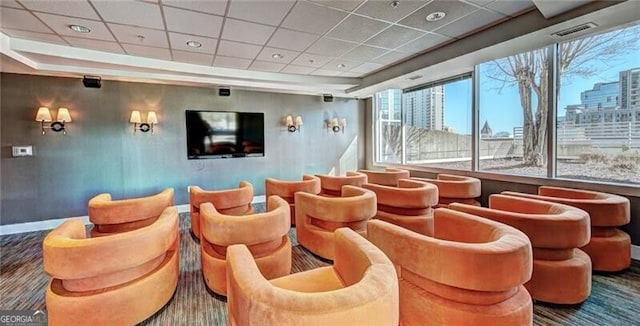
575,29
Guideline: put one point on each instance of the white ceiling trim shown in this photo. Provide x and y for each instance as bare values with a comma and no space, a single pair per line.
14,47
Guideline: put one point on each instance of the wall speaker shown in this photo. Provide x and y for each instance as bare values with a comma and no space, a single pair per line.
327,97
92,81
222,91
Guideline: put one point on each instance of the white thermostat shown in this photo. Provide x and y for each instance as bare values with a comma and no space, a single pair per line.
18,151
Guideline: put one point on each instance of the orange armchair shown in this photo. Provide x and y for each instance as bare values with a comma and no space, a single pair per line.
455,189
287,190
408,205
388,177
469,273
229,202
331,185
119,279
561,271
115,216
265,234
318,216
609,247
361,288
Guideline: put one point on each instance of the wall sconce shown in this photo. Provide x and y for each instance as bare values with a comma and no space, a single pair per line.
336,125
44,115
152,119
293,125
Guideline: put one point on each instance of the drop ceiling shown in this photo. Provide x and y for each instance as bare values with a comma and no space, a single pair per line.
304,46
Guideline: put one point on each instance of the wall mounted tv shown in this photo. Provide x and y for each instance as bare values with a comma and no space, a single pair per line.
222,134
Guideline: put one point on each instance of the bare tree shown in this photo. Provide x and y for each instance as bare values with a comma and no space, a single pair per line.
529,72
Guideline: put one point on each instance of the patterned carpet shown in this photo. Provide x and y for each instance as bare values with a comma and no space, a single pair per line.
615,298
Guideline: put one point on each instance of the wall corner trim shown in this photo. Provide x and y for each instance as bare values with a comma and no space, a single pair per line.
52,223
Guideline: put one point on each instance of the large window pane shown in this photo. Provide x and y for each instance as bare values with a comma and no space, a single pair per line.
438,125
598,120
388,134
513,114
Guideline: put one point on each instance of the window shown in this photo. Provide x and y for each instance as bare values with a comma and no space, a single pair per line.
510,104
388,133
438,124
605,65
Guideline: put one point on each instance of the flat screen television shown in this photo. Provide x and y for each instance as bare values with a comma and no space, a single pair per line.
222,134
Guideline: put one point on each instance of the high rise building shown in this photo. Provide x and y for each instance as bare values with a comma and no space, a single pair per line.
389,103
630,89
425,108
602,96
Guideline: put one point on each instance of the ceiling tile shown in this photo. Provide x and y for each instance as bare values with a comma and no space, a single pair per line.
348,5
266,66
322,72
236,30
331,47
179,42
240,50
146,51
366,67
364,53
74,8
131,13
192,57
452,9
267,52
383,10
426,42
291,69
10,4
21,19
390,57
42,37
469,23
311,18
357,29
311,60
292,40
510,7
335,64
265,12
94,44
216,7
189,22
394,37
228,62
61,24
130,34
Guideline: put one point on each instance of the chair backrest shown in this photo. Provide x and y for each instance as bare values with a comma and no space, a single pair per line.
388,177
332,185
287,189
455,186
87,264
236,201
410,197
112,216
355,205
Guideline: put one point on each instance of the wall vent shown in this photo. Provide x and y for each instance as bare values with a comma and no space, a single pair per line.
575,29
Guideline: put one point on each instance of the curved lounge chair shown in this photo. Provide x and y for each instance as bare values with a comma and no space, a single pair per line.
228,201
388,177
287,190
331,185
455,189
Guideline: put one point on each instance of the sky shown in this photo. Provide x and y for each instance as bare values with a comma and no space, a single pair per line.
502,108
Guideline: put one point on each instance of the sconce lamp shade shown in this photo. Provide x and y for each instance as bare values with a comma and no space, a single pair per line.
43,114
298,121
334,122
135,117
63,115
152,117
288,120
343,122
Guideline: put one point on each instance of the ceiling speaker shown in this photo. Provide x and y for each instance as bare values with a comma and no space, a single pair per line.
223,91
92,81
327,97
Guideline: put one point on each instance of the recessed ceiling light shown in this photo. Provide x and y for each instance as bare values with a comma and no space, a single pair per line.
341,65
277,56
194,44
435,16
311,61
394,4
79,29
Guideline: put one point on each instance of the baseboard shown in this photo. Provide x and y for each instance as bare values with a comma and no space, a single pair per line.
635,252
52,223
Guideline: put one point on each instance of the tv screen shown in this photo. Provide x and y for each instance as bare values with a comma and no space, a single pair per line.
221,134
